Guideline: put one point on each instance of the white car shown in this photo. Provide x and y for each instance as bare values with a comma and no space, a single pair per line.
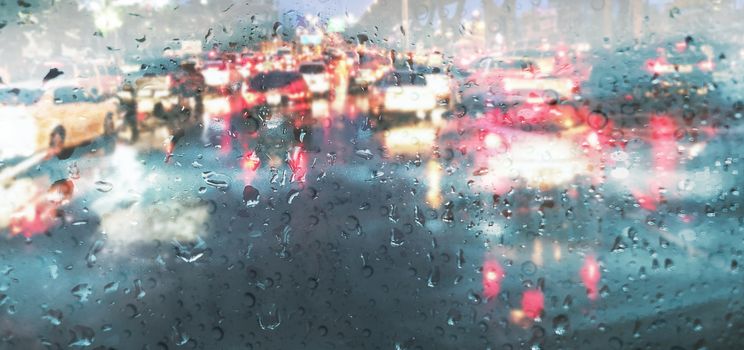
440,83
52,118
403,92
216,73
316,77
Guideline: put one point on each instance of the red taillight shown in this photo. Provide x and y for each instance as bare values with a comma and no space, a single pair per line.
662,126
251,162
297,95
493,274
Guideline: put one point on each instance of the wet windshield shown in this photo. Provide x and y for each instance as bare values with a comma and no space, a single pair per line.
371,174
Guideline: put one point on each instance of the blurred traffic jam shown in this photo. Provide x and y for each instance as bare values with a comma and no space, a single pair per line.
525,130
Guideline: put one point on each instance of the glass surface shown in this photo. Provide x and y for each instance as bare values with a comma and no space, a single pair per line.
371,174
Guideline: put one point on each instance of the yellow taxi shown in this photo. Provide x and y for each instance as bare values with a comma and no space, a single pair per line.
52,118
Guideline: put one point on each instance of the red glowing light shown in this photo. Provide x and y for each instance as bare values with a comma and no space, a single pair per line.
493,274
533,303
39,214
251,162
590,275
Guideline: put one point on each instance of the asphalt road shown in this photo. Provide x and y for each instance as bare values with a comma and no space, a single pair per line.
371,249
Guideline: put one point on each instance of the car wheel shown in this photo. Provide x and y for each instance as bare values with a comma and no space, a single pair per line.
252,124
159,111
57,138
57,143
108,124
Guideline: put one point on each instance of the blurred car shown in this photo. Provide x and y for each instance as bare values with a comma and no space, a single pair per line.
215,73
284,59
370,68
652,77
276,88
497,81
98,75
251,63
221,73
52,118
439,82
530,145
155,84
402,93
316,77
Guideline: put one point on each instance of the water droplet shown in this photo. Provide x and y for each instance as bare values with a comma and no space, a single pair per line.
251,196
434,276
82,291
460,259
103,186
138,290
367,271
561,326
180,337
81,336
73,171
293,193
473,297
597,120
674,12
419,216
697,325
91,258
216,180
393,213
668,264
54,317
218,333
453,317
111,287
190,251
529,268
448,216
271,319
250,299
312,283
396,237
364,154
567,302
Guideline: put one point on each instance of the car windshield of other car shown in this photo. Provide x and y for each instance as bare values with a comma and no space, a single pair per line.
312,69
273,80
403,78
69,94
19,96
